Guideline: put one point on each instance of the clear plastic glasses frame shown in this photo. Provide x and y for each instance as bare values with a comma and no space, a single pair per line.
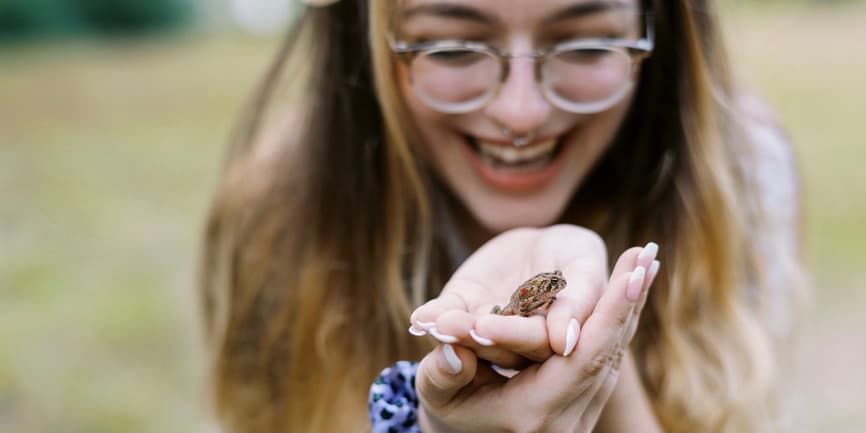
629,51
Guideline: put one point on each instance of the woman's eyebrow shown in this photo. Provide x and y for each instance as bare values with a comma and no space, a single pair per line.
450,10
585,8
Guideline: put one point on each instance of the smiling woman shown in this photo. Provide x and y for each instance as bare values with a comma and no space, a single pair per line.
444,151
561,103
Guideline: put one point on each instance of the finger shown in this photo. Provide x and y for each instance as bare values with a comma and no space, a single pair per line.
457,326
453,326
425,316
524,336
634,318
575,305
617,313
626,262
443,372
651,274
647,254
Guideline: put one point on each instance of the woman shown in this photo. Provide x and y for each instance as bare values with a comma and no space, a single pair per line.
420,130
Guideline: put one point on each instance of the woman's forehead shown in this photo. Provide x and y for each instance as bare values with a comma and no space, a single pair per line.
509,10
520,5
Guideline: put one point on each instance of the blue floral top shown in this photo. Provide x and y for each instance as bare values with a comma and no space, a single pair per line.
393,404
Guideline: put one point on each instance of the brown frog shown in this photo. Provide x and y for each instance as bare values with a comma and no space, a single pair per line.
536,294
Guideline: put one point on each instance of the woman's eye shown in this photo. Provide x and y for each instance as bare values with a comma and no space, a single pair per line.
455,57
583,55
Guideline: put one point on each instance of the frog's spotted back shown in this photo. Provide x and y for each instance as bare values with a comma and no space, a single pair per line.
534,295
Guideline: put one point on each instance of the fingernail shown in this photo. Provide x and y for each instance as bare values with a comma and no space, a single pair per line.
442,337
502,371
452,359
424,325
653,270
571,334
635,282
418,332
479,339
649,252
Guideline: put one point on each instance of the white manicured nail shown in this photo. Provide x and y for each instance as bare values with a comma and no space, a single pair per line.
418,332
424,325
571,334
635,283
653,270
453,360
502,371
444,338
649,252
479,339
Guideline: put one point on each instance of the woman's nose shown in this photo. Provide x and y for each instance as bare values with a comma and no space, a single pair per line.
519,105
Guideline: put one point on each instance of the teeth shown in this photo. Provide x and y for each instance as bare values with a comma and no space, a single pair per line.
528,167
512,155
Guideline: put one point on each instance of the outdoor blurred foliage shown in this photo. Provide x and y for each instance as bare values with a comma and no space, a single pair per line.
114,115
21,19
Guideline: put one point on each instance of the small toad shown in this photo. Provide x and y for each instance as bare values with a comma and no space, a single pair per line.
536,294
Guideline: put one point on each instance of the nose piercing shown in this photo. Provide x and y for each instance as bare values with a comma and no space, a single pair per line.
518,141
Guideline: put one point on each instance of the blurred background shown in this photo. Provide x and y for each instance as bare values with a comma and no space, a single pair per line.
113,119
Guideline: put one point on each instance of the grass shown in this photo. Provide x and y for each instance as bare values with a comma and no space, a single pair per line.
108,156
109,152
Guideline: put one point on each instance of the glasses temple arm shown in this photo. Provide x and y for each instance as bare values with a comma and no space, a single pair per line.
649,42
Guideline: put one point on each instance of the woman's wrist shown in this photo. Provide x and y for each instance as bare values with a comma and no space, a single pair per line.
427,423
629,407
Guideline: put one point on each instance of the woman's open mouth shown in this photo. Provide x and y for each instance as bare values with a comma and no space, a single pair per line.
507,157
515,169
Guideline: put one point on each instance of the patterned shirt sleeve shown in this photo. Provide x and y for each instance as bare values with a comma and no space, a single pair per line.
393,404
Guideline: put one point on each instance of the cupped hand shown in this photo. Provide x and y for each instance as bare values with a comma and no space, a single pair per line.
458,388
461,313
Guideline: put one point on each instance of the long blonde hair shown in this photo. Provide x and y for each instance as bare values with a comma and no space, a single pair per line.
316,250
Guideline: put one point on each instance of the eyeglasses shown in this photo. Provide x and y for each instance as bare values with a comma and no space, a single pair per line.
580,76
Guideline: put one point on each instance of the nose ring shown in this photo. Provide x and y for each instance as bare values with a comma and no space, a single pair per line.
518,141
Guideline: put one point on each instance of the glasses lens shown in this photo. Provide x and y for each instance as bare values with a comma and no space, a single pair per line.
587,79
455,79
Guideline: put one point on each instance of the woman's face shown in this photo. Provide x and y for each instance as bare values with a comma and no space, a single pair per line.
503,185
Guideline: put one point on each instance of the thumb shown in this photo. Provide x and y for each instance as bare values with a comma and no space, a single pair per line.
443,372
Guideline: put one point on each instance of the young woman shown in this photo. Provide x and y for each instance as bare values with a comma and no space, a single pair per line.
441,152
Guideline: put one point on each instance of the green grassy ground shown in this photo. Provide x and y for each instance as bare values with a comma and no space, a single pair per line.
108,155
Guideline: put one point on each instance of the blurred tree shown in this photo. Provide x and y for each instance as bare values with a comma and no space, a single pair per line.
795,2
133,16
21,19
24,19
